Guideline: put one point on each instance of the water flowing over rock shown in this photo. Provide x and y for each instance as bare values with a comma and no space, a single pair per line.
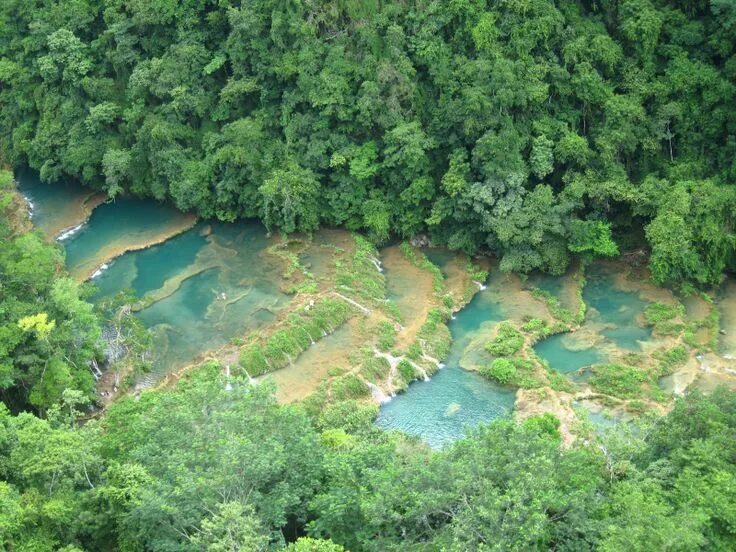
421,240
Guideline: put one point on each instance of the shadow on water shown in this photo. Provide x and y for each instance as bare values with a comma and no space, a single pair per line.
56,206
440,257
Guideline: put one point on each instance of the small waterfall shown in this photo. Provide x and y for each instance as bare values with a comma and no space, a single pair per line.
378,393
31,206
376,263
251,379
228,385
69,232
95,368
481,286
422,371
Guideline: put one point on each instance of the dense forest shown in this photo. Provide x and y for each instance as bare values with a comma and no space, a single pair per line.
202,468
534,130
530,128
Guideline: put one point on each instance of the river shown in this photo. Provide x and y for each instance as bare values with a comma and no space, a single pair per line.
203,285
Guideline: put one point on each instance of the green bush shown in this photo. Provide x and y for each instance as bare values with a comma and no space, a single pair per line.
414,351
407,371
476,273
253,360
546,424
501,369
671,358
507,342
349,386
537,327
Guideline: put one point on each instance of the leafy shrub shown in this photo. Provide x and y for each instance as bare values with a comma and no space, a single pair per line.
546,424
501,369
253,360
476,273
407,371
671,358
664,318
414,351
507,342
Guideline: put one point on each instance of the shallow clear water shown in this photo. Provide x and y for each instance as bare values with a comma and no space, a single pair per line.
148,269
57,205
439,256
440,409
208,289
117,226
551,284
313,366
563,358
617,308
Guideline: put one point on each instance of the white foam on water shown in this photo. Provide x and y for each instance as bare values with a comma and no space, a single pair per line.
103,267
66,234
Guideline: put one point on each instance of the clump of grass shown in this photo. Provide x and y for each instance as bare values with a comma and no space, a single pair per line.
539,329
386,335
555,307
665,319
558,382
299,330
669,359
347,387
434,333
301,279
407,371
618,380
393,311
476,273
375,369
358,276
420,260
414,351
